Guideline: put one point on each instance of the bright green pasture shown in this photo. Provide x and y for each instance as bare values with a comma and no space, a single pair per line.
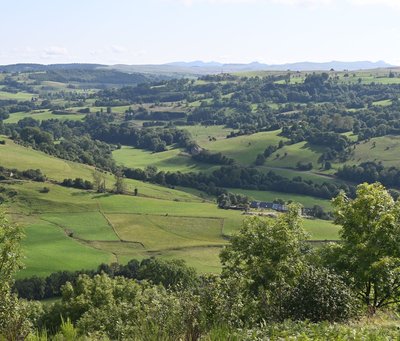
172,160
244,149
321,229
383,103
47,249
204,259
306,201
19,96
295,153
318,177
16,156
202,134
42,115
13,155
87,225
351,136
54,85
384,149
166,232
73,229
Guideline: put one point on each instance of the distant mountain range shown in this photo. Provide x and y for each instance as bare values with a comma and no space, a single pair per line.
195,68
26,67
299,66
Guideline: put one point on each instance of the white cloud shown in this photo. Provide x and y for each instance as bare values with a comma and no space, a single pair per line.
55,51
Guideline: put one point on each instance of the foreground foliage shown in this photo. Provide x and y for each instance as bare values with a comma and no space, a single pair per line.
273,286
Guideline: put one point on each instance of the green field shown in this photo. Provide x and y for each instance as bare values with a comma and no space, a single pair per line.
89,228
16,156
172,160
70,229
244,149
305,200
378,76
42,115
289,156
87,225
47,249
19,96
383,103
384,149
202,134
176,159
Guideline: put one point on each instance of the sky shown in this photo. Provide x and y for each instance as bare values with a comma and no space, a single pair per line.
228,31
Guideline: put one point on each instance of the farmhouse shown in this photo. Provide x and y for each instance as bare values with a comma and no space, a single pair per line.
278,207
268,205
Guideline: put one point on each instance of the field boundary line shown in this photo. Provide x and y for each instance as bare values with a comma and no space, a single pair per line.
164,215
174,233
110,225
206,246
81,241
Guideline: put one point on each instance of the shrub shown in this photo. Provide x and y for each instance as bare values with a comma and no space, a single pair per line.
320,295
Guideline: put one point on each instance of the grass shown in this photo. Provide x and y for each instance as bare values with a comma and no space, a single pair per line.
244,149
42,115
290,173
69,229
204,259
19,157
16,156
172,160
383,103
202,134
384,149
157,233
47,249
19,96
288,156
87,225
321,229
306,201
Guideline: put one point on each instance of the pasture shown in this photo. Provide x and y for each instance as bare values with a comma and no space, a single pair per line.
19,96
19,157
288,156
203,134
172,160
69,229
42,115
378,149
306,201
244,149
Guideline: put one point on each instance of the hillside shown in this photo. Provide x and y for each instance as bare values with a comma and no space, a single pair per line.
278,137
70,229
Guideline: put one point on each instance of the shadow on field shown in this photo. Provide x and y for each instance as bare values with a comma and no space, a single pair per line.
76,194
102,195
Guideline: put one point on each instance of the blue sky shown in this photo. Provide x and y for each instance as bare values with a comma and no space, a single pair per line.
159,31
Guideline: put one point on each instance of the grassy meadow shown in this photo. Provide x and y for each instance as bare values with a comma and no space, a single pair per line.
172,160
83,228
42,115
13,155
384,149
19,96
244,149
305,200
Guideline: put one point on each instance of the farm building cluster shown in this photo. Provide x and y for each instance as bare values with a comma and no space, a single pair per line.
263,205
